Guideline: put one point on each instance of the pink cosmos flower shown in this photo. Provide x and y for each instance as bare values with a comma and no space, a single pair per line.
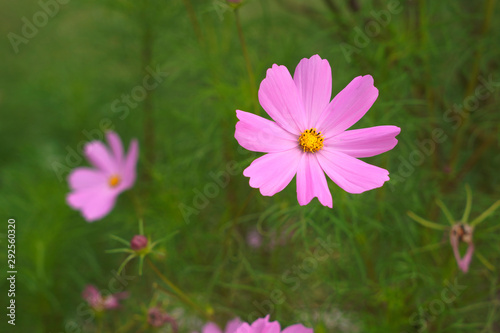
94,190
309,136
94,298
263,325
230,327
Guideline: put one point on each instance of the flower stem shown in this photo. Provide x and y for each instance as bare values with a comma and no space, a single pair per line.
457,147
251,76
177,291
194,21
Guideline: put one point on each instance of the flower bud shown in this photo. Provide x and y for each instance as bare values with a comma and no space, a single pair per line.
138,242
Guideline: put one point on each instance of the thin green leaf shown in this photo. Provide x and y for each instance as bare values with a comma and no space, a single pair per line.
468,204
425,223
446,211
121,250
122,266
119,239
485,214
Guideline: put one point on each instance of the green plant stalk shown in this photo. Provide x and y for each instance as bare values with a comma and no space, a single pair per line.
177,291
459,138
251,76
468,205
194,21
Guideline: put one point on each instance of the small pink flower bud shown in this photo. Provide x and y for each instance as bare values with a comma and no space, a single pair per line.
138,242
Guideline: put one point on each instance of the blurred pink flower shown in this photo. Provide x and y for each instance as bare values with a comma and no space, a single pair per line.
94,298
263,325
230,327
158,318
462,233
94,190
254,238
308,136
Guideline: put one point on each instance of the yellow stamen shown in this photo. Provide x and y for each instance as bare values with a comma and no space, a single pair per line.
311,141
114,181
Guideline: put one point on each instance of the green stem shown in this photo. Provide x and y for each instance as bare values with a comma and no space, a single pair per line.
457,147
149,123
251,76
194,21
179,292
468,205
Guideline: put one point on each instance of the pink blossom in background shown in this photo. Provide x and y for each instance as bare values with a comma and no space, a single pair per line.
94,298
158,318
309,135
230,327
263,325
254,238
94,190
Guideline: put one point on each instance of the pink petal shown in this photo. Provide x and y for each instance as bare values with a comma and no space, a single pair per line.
99,155
79,198
263,325
259,134
116,146
94,203
272,172
233,325
298,328
245,328
313,78
113,301
92,295
351,174
311,182
365,142
81,178
463,263
278,95
349,106
129,172
211,328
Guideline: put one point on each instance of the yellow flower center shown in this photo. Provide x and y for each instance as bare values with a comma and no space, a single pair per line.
114,181
311,141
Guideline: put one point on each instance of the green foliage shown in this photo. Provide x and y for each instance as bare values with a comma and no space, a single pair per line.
382,272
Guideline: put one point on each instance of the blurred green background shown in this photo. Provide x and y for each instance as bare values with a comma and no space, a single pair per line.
384,273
